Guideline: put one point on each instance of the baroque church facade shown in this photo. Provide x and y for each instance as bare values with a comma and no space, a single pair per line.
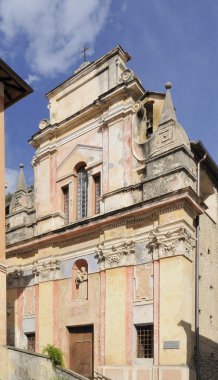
101,253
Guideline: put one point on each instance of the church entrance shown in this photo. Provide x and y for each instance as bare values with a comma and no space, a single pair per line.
81,349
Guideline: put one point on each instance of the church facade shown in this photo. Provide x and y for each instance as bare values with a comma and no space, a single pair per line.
101,253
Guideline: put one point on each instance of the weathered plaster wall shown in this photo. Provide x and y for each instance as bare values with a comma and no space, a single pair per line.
45,314
175,308
17,364
81,91
115,317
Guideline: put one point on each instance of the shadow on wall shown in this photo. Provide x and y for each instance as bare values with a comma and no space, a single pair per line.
208,354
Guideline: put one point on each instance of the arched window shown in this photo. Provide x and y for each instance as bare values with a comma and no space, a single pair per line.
149,123
82,192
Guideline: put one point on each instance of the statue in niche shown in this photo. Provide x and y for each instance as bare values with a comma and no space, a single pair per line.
82,283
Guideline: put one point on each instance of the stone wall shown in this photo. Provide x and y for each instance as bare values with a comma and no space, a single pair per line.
16,364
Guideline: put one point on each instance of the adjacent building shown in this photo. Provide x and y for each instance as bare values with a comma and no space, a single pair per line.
101,252
12,89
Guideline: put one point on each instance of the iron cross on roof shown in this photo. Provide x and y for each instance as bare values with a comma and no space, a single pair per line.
84,52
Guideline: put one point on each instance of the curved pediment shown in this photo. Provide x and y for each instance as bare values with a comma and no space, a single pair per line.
90,155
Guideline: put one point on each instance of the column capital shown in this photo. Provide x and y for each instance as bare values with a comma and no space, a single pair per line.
3,268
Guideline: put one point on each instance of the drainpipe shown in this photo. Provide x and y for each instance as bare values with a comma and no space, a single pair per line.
197,335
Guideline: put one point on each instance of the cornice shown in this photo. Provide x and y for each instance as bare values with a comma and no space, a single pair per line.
129,215
95,110
51,215
105,118
165,240
171,171
27,210
89,68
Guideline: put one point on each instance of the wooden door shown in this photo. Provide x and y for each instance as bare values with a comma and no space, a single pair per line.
81,349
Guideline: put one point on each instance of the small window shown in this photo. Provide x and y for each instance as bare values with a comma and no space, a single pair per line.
65,191
30,342
97,181
145,341
149,122
82,192
7,209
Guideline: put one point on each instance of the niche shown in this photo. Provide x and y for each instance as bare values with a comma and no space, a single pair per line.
80,280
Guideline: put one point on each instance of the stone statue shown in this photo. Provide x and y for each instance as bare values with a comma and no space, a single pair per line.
82,283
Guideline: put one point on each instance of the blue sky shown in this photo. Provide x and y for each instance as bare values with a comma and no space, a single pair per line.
169,40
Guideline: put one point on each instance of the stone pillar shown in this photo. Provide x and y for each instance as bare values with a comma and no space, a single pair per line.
2,223
105,173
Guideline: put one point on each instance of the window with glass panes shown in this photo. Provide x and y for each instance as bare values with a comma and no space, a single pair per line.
97,181
82,192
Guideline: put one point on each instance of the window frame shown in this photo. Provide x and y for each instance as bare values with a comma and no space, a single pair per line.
66,201
31,347
97,192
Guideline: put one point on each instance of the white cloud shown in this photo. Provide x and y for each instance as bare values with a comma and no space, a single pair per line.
11,180
53,30
32,78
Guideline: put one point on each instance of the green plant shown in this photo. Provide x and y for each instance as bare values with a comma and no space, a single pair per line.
55,354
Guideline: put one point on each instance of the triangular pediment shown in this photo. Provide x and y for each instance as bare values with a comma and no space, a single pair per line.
87,154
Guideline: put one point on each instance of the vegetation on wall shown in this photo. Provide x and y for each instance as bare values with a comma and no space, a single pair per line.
55,355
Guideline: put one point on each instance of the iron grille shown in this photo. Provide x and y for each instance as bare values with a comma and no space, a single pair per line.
31,342
144,341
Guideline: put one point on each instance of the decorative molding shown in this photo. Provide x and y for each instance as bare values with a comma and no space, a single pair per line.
80,148
148,217
165,136
115,255
15,277
46,270
127,75
92,117
3,268
71,239
170,243
43,152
